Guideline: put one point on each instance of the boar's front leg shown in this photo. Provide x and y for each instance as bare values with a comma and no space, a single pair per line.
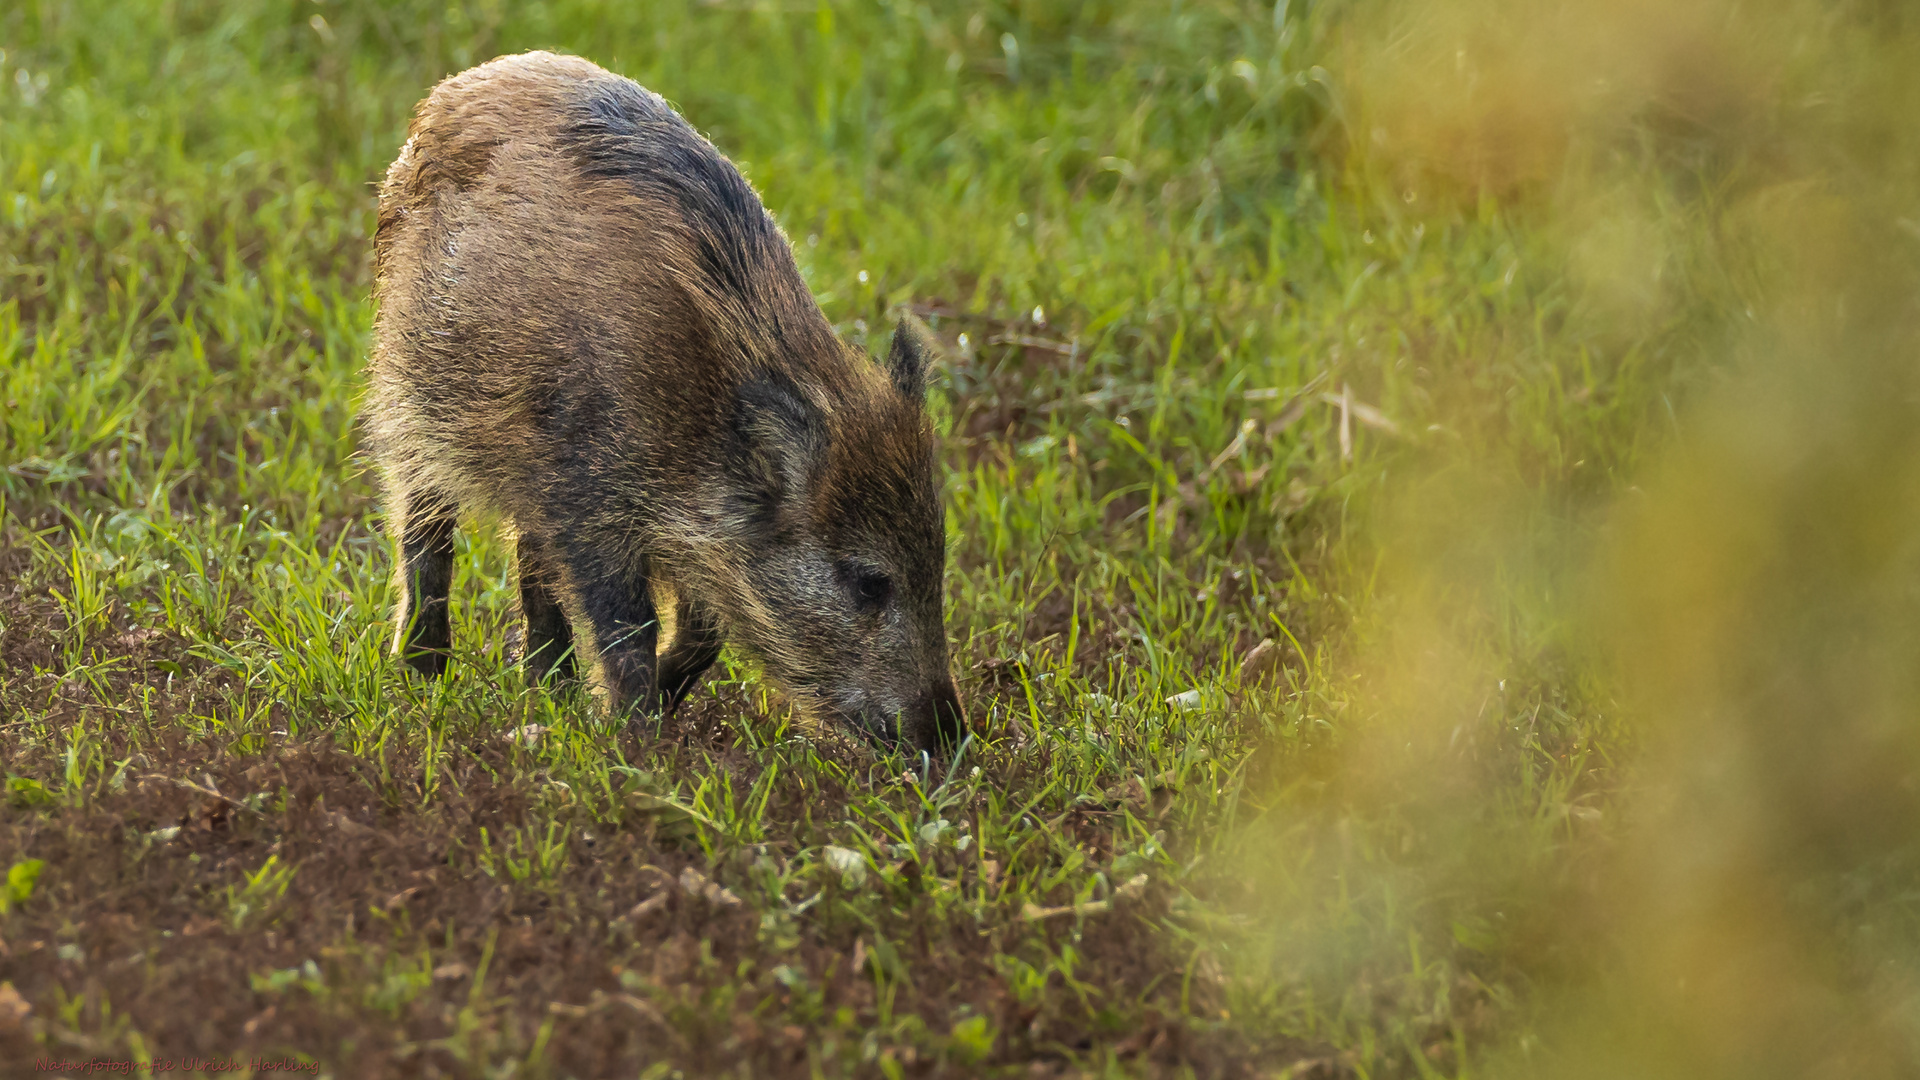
616,601
549,635
424,525
696,645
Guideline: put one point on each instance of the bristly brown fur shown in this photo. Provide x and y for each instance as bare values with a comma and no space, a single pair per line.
589,325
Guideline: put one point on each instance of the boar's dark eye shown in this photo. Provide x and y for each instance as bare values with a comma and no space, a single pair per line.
871,588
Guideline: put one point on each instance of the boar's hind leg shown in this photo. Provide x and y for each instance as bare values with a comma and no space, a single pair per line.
549,635
696,645
426,561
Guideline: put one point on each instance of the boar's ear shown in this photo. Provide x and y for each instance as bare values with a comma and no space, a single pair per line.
779,440
907,360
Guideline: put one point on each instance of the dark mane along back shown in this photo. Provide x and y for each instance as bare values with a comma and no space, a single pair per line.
619,132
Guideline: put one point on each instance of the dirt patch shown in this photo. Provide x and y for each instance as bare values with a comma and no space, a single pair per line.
255,895
384,951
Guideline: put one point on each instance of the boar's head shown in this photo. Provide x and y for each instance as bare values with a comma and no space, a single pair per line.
841,589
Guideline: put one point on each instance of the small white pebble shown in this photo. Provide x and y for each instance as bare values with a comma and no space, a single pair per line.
1186,700
528,735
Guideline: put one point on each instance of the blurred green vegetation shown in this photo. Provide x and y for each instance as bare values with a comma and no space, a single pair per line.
1539,379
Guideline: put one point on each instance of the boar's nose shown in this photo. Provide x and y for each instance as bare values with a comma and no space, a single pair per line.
935,721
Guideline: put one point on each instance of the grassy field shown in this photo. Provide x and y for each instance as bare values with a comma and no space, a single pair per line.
1434,494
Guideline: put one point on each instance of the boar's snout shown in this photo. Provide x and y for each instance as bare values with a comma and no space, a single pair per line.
934,720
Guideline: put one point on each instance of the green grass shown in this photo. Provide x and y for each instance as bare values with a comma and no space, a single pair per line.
1161,243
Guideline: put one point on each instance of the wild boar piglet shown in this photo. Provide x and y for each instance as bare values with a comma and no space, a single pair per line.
590,328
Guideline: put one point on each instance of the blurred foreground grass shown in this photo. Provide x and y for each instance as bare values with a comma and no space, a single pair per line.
1538,379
